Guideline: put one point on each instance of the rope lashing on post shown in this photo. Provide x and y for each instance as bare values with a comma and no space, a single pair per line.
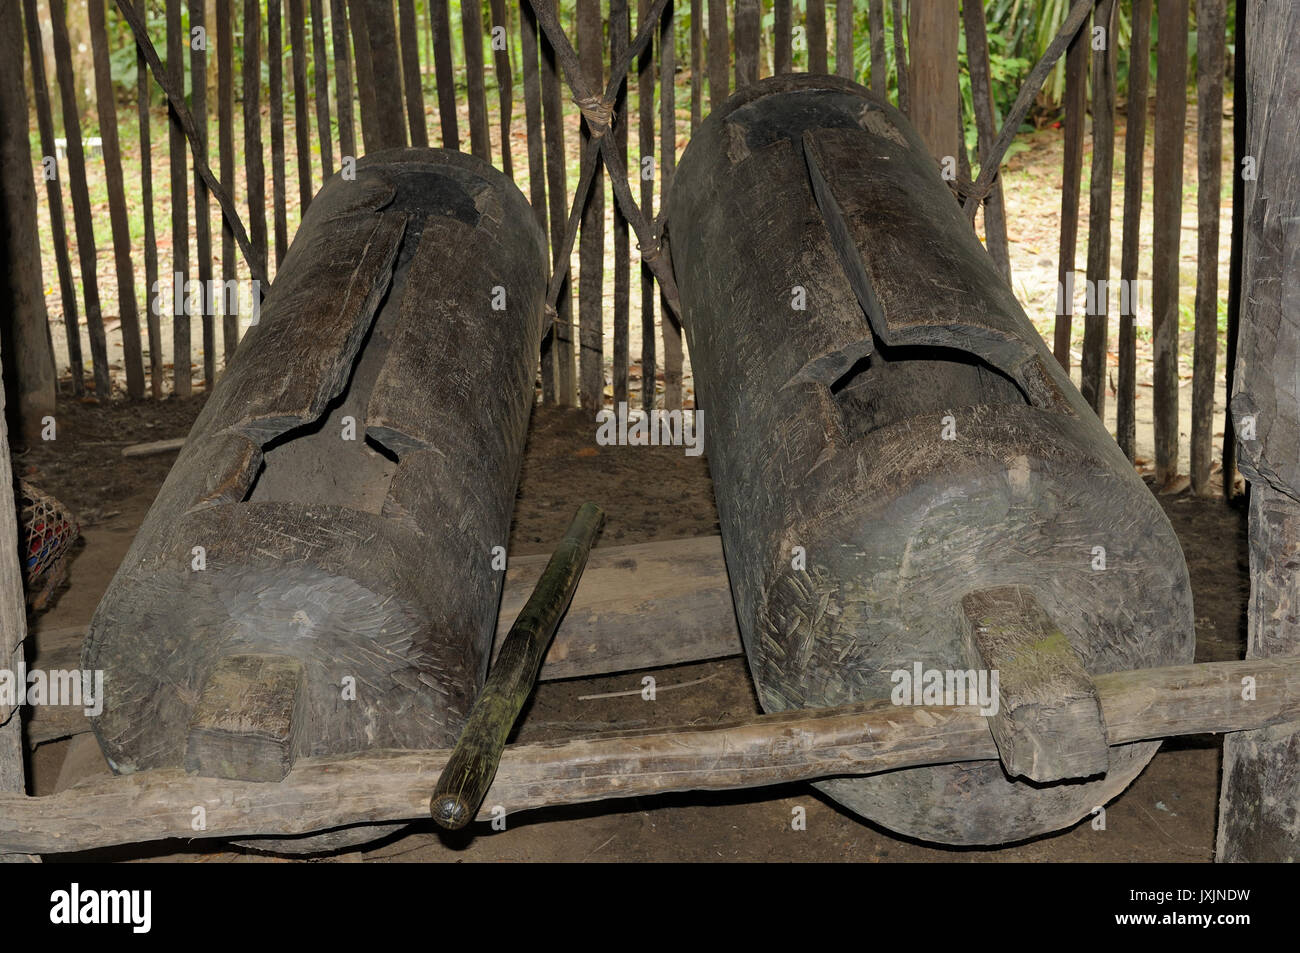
599,113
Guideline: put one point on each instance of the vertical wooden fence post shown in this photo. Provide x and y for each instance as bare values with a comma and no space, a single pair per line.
81,214
54,195
1134,152
1167,214
1210,24
1096,319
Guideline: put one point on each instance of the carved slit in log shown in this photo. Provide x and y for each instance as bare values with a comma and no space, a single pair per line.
889,435
336,504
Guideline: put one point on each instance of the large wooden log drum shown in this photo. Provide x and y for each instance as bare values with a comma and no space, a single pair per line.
316,575
894,449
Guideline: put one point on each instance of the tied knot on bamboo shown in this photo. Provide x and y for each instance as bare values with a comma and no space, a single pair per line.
599,113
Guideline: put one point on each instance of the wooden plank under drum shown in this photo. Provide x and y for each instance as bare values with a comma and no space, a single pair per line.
638,606
1048,725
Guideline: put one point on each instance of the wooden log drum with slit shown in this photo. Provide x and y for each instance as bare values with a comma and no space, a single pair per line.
903,473
315,576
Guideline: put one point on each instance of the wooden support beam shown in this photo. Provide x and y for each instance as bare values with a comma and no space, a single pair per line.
321,73
226,155
254,161
411,78
1261,769
879,65
54,197
932,30
1210,28
638,606
106,108
620,26
471,25
591,246
815,22
249,723
13,604
718,53
444,74
1075,101
505,86
1048,725
1135,129
385,786
1166,227
747,33
81,211
1096,321
981,80
275,78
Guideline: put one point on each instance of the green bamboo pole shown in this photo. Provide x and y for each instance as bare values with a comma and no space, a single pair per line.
465,780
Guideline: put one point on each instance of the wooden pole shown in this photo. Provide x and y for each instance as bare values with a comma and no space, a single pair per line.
558,196
81,213
254,163
697,63
932,34
54,196
202,207
13,604
591,248
863,738
29,368
343,77
301,116
844,39
226,151
1210,26
386,74
619,28
718,53
411,77
106,106
1239,145
672,328
900,59
320,67
370,136
279,180
782,46
981,82
879,66
536,165
471,19
1096,320
473,762
747,30
1166,227
440,27
646,135
1261,769
815,22
1134,153
505,84
176,150
1075,101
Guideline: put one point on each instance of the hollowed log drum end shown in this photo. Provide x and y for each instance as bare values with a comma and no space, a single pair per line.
891,436
315,575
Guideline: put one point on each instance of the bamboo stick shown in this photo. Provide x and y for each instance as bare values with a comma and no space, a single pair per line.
472,765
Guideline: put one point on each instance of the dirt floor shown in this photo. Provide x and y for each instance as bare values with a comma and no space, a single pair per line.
649,493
